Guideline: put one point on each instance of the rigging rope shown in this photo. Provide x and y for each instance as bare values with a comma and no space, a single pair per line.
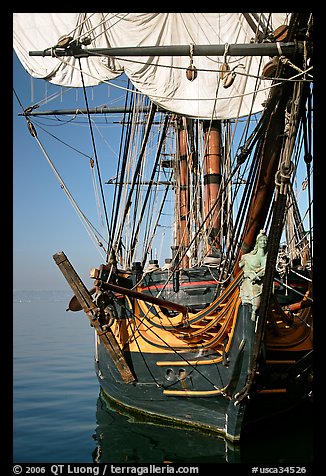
89,227
158,156
95,155
121,168
156,97
179,354
138,166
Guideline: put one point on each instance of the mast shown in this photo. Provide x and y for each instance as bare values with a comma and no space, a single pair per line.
183,225
265,184
212,180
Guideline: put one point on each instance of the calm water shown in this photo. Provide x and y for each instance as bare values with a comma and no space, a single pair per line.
60,417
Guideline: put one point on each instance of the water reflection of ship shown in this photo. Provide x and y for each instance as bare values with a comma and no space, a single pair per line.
121,438
125,439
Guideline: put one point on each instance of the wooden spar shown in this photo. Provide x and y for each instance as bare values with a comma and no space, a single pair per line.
245,49
30,111
183,225
264,188
144,297
212,179
90,309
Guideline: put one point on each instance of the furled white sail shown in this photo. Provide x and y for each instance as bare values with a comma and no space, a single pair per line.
162,78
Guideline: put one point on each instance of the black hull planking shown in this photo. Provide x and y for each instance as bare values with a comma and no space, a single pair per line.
179,388
203,396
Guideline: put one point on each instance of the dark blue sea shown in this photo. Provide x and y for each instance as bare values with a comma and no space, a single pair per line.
60,417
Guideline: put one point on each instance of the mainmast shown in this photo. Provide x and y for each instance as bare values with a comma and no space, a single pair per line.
212,181
183,226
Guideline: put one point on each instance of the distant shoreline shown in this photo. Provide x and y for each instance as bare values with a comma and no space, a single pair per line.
38,295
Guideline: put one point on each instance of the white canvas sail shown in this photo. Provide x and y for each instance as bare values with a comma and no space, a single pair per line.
162,78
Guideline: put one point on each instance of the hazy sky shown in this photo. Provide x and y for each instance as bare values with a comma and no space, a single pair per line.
44,222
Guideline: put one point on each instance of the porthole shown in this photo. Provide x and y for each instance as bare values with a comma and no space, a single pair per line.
182,374
170,375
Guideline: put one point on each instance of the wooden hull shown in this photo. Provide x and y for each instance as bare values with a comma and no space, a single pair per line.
189,388
215,368
202,390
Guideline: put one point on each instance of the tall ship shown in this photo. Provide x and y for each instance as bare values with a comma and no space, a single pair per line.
202,298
